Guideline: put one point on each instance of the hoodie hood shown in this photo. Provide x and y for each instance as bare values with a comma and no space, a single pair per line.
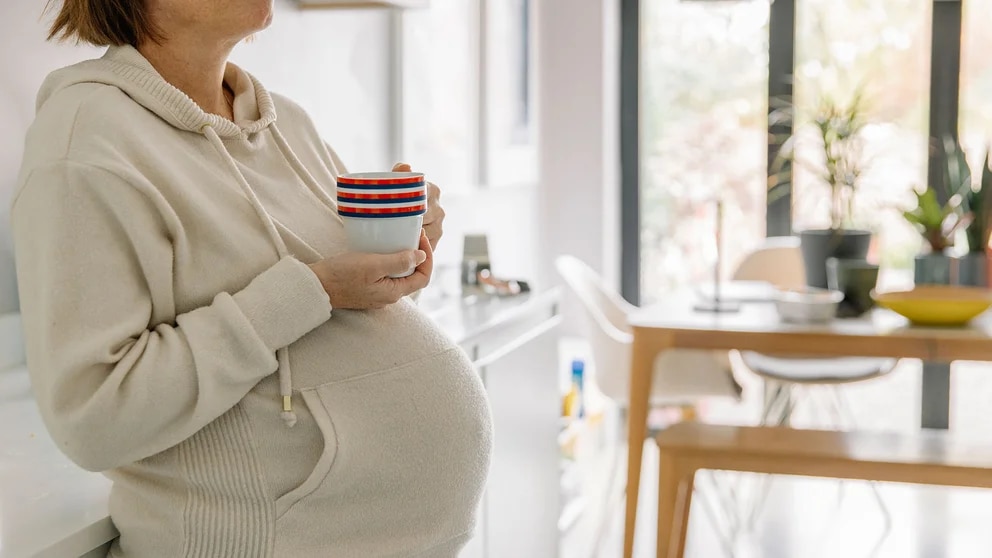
126,69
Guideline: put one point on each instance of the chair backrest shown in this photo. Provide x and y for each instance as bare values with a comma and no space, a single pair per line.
604,325
778,260
605,312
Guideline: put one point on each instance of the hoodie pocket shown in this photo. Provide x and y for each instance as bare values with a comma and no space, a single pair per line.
411,454
327,456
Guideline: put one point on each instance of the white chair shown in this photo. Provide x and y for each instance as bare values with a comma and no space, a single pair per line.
683,378
792,380
779,262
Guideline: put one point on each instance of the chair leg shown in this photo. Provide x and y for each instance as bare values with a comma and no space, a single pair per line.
846,415
726,499
675,487
778,412
773,398
690,413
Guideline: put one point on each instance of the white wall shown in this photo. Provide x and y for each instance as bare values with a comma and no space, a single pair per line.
579,193
335,63
508,216
23,66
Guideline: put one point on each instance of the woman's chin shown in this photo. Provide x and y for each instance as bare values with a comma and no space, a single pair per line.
269,14
267,21
259,25
261,16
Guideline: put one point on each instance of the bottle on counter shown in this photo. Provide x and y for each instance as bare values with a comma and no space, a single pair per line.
578,385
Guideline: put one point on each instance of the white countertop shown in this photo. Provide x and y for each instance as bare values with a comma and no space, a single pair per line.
49,507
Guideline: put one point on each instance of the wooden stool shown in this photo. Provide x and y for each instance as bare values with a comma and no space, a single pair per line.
930,457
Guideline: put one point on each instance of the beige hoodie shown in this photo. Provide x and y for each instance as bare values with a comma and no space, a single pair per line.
169,314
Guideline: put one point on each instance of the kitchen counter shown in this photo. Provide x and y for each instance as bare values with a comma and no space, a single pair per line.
467,317
49,507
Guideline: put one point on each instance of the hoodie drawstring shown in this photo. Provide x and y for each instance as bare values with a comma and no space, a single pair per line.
301,170
282,355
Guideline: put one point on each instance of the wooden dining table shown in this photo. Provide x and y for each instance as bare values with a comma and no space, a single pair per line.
675,324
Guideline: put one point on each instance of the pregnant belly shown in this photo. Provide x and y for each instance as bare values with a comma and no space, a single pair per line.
353,344
406,454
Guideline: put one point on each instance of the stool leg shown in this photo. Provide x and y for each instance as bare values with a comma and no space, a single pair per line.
846,415
725,494
778,412
682,514
675,487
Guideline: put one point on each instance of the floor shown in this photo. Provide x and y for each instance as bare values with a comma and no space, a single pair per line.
821,518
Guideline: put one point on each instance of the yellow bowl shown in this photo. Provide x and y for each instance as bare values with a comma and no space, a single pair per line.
937,305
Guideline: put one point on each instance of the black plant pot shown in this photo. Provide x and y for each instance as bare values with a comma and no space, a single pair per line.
819,245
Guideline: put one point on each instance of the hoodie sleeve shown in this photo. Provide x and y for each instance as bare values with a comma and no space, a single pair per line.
94,259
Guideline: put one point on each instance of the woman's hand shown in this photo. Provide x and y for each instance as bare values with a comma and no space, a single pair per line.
356,281
434,218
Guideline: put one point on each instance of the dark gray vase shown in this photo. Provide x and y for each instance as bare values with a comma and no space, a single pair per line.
856,279
936,268
819,245
972,268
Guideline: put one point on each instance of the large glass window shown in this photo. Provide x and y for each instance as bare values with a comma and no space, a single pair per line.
704,103
976,79
879,50
704,75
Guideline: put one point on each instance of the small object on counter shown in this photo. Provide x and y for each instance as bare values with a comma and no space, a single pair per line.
807,305
569,402
578,383
475,258
500,287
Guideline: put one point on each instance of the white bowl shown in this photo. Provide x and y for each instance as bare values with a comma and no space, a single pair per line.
809,305
383,235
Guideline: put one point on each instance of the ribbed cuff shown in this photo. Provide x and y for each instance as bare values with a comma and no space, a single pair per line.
284,303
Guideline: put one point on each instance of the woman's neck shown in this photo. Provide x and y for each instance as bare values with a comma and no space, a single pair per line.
196,71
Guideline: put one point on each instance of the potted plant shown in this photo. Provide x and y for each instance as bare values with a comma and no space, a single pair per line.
974,264
839,164
941,211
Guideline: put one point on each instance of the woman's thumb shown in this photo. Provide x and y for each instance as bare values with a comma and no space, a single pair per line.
402,262
402,167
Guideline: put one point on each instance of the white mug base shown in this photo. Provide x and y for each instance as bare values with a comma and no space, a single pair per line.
384,235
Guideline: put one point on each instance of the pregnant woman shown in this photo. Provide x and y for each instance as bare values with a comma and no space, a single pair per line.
196,327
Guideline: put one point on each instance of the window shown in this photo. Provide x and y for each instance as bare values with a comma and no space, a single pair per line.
701,94
976,80
881,48
704,101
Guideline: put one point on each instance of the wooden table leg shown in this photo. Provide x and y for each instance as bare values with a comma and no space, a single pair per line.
675,486
643,355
